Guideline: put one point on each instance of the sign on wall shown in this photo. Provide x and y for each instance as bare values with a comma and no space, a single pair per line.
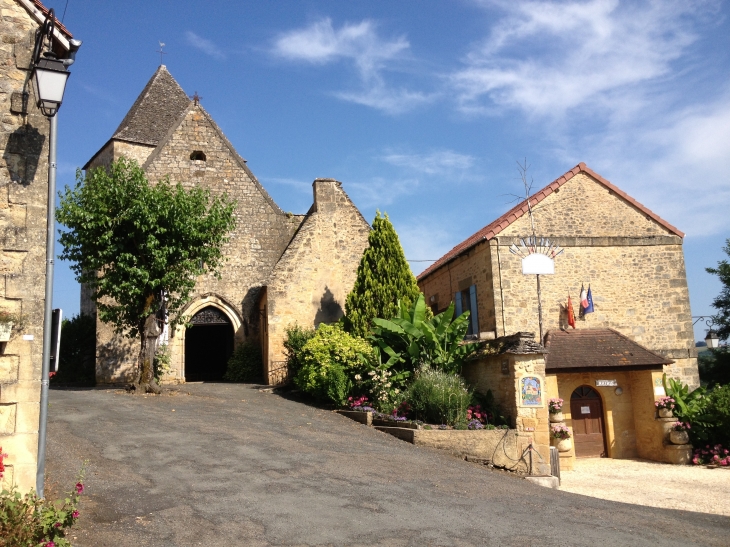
531,391
606,383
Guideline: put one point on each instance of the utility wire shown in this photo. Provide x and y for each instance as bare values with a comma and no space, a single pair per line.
64,12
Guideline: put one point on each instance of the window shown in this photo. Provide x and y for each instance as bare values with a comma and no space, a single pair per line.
466,300
197,155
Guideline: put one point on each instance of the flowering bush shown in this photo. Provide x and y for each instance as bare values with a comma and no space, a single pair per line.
475,424
476,413
439,397
30,521
680,426
559,431
716,455
555,405
665,402
359,403
381,381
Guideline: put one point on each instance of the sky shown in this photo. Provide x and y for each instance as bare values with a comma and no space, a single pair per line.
424,108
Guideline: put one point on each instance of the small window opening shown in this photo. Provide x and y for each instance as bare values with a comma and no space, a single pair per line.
198,155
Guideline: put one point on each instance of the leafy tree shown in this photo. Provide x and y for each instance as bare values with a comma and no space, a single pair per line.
383,279
141,246
722,302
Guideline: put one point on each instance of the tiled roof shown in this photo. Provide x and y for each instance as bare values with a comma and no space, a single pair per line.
493,229
44,11
597,348
157,108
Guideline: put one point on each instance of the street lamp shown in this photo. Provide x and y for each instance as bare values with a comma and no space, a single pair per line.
49,76
712,339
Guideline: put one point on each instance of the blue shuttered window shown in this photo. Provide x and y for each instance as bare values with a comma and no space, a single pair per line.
473,307
466,300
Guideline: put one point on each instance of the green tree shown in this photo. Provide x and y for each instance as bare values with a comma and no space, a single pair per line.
383,279
722,302
141,246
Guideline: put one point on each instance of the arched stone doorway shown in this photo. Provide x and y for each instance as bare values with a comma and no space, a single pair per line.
208,345
586,412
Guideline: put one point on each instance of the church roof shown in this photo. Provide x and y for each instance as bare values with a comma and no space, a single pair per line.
494,228
157,108
600,349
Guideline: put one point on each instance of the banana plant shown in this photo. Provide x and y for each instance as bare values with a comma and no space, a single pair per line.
416,341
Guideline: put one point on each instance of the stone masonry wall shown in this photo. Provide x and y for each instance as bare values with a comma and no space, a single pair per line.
23,196
316,273
635,268
260,237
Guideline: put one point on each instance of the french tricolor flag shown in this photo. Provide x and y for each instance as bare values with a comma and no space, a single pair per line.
586,300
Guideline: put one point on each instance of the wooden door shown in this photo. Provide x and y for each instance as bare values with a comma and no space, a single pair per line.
586,411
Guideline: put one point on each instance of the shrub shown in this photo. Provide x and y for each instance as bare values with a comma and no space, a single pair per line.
328,360
77,354
245,365
28,521
296,338
718,407
161,364
438,397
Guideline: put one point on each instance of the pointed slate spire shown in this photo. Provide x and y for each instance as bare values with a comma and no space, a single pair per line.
157,108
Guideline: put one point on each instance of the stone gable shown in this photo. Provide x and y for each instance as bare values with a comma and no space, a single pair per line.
583,207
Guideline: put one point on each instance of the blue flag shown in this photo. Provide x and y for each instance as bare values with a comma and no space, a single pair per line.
589,298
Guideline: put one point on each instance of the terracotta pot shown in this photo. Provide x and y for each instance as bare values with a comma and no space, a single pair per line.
678,437
564,445
665,413
557,417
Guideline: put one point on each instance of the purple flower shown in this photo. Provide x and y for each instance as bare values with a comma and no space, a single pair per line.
57,525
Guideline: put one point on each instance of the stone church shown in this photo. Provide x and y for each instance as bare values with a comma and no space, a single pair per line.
281,268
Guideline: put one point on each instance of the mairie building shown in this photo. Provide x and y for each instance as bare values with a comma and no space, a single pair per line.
281,269
608,368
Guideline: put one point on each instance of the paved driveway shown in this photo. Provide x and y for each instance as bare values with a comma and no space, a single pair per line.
229,465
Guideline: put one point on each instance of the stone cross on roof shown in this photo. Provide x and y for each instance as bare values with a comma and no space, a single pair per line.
196,98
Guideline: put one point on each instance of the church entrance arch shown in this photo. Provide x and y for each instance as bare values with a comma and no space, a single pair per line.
208,345
586,411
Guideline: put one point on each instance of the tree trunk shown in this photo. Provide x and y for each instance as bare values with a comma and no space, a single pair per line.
149,333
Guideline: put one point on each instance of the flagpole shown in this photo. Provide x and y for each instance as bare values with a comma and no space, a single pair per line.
539,306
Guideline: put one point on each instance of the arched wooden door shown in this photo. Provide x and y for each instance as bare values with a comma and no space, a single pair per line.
586,412
208,346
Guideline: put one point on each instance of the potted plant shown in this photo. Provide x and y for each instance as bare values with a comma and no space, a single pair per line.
555,408
665,406
678,434
562,437
7,320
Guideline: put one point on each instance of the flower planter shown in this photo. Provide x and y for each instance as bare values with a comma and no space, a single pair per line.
5,330
378,422
564,445
557,417
678,437
665,413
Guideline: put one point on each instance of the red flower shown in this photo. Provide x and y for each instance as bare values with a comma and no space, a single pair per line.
75,514
79,488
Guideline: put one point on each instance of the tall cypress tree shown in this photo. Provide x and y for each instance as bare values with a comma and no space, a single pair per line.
383,278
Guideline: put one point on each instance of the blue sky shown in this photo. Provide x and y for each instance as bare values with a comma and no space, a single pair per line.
423,108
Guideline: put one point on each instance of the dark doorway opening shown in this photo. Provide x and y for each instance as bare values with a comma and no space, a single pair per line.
208,346
586,412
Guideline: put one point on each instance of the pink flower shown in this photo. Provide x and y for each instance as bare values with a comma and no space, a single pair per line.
50,544
57,525
79,488
75,514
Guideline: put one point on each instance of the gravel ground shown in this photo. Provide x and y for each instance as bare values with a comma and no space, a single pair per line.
684,487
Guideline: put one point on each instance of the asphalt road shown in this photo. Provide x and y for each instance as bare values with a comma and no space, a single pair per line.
229,465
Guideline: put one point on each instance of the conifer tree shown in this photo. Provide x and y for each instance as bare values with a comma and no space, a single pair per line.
383,279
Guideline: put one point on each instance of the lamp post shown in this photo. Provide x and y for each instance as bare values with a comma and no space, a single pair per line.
49,76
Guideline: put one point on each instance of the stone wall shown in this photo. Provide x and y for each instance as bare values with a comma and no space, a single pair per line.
634,265
23,200
316,273
259,239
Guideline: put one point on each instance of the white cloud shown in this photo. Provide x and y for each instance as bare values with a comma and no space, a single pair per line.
547,57
436,163
379,192
320,43
204,45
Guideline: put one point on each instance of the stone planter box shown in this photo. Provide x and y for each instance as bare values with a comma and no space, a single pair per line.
678,437
500,447
557,418
378,422
362,417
